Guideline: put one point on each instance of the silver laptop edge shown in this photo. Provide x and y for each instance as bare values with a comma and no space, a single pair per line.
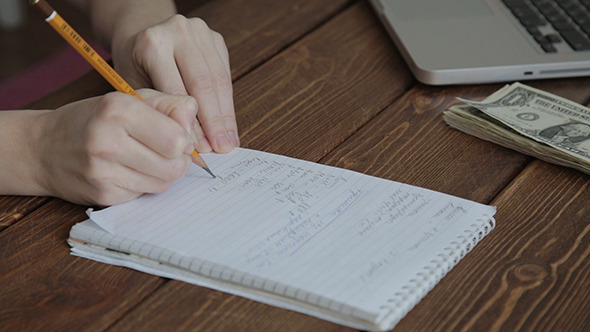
481,43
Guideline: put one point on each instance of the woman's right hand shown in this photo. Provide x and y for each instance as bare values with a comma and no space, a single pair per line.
114,148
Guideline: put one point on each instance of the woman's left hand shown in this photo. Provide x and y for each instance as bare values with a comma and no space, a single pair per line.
184,56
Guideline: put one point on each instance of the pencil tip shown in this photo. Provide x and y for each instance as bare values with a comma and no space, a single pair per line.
209,171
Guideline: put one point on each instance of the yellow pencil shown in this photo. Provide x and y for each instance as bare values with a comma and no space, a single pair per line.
80,45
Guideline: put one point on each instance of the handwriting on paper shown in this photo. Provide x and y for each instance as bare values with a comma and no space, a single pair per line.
394,208
289,238
441,219
296,192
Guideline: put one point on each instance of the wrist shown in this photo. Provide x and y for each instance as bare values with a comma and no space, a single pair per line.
20,166
117,21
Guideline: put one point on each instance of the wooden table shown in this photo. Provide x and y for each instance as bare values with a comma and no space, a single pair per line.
320,80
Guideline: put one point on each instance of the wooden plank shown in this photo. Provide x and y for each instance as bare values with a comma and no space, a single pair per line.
178,306
310,98
303,102
14,208
257,30
575,89
532,272
184,7
45,288
409,142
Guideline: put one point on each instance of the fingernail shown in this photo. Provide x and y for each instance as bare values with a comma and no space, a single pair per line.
222,143
202,144
234,138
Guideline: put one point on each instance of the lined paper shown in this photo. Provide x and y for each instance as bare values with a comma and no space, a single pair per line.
316,233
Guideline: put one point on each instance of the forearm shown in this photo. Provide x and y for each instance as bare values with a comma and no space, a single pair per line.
19,165
118,20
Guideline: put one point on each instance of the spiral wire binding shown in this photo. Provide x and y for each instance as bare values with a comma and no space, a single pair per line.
404,301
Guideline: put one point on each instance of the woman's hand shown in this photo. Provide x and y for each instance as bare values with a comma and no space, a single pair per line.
114,148
183,56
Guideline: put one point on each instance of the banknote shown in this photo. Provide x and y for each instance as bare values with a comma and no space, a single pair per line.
530,121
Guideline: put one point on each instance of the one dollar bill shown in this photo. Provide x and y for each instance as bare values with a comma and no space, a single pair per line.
530,121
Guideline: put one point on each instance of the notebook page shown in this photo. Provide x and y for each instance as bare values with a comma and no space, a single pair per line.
333,236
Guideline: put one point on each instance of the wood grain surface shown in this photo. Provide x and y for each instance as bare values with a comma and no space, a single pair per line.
321,81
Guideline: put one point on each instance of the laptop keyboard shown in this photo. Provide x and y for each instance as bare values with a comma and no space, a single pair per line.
554,22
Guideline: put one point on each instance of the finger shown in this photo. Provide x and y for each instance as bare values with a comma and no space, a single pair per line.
225,91
202,144
138,183
226,101
142,138
155,130
149,163
128,185
222,50
182,109
159,62
119,184
206,78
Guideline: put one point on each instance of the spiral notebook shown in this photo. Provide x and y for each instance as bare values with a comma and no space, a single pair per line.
328,242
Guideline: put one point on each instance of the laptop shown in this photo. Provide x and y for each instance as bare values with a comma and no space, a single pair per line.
484,41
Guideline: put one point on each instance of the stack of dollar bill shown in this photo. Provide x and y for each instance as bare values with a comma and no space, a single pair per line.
530,121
